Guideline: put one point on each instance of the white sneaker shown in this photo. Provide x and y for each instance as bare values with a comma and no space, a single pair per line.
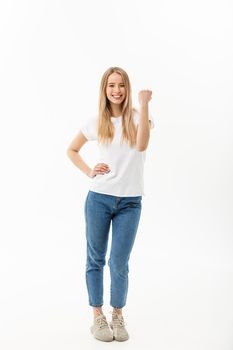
118,326
101,330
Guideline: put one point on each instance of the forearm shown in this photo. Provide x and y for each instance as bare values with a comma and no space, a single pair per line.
143,132
79,162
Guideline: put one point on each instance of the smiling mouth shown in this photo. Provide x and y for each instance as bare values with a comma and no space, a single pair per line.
117,97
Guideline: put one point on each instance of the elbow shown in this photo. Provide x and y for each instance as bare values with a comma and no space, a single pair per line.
69,152
142,143
141,148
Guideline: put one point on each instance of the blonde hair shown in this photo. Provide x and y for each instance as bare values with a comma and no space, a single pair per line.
105,125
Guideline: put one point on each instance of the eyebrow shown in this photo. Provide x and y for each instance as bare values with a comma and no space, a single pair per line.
114,83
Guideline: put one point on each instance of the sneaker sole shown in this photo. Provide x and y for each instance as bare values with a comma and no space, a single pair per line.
118,339
105,340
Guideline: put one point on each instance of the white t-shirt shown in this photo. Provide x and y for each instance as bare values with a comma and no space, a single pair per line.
126,163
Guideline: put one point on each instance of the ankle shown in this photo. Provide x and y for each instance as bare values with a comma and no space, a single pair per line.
97,311
117,311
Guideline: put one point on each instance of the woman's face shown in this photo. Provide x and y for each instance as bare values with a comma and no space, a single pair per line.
115,89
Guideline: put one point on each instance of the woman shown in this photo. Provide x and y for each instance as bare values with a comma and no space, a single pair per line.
115,194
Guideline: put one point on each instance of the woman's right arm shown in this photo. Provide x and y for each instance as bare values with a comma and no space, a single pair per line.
73,154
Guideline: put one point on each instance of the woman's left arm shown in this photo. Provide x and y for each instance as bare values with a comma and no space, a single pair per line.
143,130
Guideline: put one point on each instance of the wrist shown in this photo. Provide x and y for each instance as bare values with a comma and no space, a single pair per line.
144,104
89,173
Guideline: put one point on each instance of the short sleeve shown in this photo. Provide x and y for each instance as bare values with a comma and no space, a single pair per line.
89,129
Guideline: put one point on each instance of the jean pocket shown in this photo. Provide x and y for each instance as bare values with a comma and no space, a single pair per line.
135,202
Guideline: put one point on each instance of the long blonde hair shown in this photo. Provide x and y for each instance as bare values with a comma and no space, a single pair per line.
105,125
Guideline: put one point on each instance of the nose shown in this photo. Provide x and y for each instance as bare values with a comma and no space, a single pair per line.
117,89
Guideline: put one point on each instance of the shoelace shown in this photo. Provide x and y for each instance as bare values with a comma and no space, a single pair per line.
102,322
117,319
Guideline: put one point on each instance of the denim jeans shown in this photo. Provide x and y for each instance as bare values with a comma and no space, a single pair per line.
102,210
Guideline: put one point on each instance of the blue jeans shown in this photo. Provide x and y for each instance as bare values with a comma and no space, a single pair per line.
124,213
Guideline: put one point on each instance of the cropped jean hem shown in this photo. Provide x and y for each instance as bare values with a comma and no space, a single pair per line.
117,307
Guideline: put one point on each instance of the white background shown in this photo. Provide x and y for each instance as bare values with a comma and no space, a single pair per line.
53,55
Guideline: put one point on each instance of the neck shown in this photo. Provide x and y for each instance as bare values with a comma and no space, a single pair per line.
116,110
